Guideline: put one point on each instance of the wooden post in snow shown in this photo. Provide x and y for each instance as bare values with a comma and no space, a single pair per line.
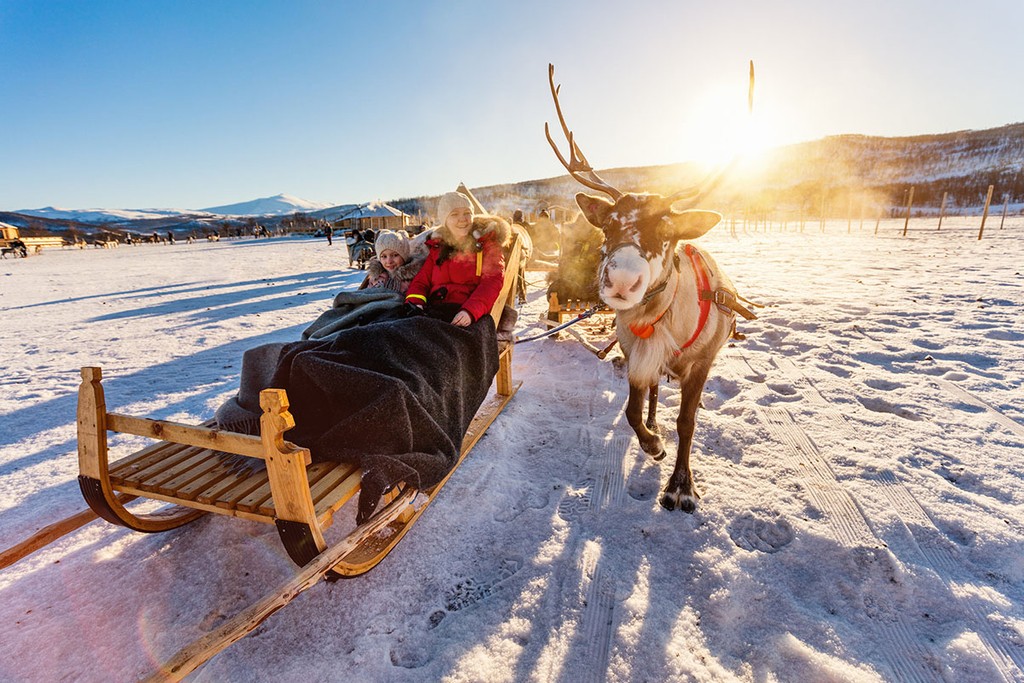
1006,205
821,227
984,214
942,209
910,203
879,219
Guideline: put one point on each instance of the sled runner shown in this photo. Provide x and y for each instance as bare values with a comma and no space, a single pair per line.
186,468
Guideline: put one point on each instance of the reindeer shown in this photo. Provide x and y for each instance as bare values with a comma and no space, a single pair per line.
674,307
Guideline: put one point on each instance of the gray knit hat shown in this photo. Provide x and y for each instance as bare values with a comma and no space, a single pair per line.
449,202
389,239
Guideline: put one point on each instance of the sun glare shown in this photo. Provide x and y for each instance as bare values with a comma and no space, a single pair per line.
719,129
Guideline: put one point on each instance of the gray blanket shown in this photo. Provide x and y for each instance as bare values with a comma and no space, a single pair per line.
395,397
351,309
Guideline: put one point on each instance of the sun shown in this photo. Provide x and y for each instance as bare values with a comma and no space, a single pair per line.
719,128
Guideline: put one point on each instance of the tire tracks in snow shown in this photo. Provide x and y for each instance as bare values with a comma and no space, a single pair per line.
936,550
994,413
850,522
593,594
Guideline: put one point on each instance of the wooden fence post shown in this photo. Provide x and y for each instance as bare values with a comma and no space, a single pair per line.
984,214
942,210
878,220
821,227
910,203
1006,204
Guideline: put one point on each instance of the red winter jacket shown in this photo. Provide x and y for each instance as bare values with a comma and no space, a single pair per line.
473,278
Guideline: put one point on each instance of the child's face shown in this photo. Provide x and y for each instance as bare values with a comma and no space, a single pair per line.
390,259
460,221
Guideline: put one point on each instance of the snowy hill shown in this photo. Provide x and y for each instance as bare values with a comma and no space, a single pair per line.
278,205
101,215
846,169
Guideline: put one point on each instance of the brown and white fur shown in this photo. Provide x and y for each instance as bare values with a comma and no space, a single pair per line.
643,249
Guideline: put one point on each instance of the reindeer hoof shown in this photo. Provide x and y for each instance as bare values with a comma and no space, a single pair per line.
671,501
657,457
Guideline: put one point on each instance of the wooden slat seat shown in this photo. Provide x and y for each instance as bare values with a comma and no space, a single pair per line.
183,474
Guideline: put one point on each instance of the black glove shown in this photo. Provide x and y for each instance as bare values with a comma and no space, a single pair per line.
410,310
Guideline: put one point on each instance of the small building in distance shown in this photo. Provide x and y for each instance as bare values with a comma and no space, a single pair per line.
373,216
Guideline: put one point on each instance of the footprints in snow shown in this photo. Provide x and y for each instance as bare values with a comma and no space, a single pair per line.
413,653
529,500
576,501
471,591
761,531
878,405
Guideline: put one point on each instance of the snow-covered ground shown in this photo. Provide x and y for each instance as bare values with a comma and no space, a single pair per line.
859,456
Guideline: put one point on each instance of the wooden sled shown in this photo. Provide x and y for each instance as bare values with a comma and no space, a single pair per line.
298,497
558,311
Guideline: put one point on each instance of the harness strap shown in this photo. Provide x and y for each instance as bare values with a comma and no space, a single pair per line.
703,288
645,330
728,299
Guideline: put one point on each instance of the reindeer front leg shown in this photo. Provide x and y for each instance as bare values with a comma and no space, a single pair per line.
649,441
681,492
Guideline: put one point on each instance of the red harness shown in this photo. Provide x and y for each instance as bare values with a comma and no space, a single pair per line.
704,295
645,330
704,299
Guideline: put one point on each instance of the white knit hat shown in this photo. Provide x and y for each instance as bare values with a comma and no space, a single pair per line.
449,202
389,239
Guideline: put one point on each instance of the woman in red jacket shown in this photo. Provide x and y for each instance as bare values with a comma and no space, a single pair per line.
463,274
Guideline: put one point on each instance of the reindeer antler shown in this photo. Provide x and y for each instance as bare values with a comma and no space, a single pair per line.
578,166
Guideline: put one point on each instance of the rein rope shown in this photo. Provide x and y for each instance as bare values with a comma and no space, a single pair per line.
582,316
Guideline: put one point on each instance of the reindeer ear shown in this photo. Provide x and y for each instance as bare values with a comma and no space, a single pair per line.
689,224
596,209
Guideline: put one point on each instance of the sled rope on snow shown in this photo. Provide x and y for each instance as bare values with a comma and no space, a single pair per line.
298,497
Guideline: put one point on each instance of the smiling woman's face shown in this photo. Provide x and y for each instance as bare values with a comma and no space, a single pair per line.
459,221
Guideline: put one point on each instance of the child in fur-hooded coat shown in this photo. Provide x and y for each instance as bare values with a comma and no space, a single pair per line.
465,266
396,263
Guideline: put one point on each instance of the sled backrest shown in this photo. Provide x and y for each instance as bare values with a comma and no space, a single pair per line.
513,255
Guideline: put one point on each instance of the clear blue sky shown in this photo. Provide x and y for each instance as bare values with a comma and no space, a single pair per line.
187,104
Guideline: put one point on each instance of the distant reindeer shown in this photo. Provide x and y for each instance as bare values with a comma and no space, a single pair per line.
674,307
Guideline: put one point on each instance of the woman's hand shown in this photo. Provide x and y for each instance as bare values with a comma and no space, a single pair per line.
462,319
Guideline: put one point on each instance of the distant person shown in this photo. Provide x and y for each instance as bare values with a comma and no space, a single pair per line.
545,238
351,237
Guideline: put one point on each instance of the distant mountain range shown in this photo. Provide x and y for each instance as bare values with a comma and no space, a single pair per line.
841,173
278,205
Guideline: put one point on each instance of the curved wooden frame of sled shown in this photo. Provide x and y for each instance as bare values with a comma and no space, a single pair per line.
93,465
294,512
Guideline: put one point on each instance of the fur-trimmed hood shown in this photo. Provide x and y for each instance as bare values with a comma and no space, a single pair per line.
405,272
484,227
